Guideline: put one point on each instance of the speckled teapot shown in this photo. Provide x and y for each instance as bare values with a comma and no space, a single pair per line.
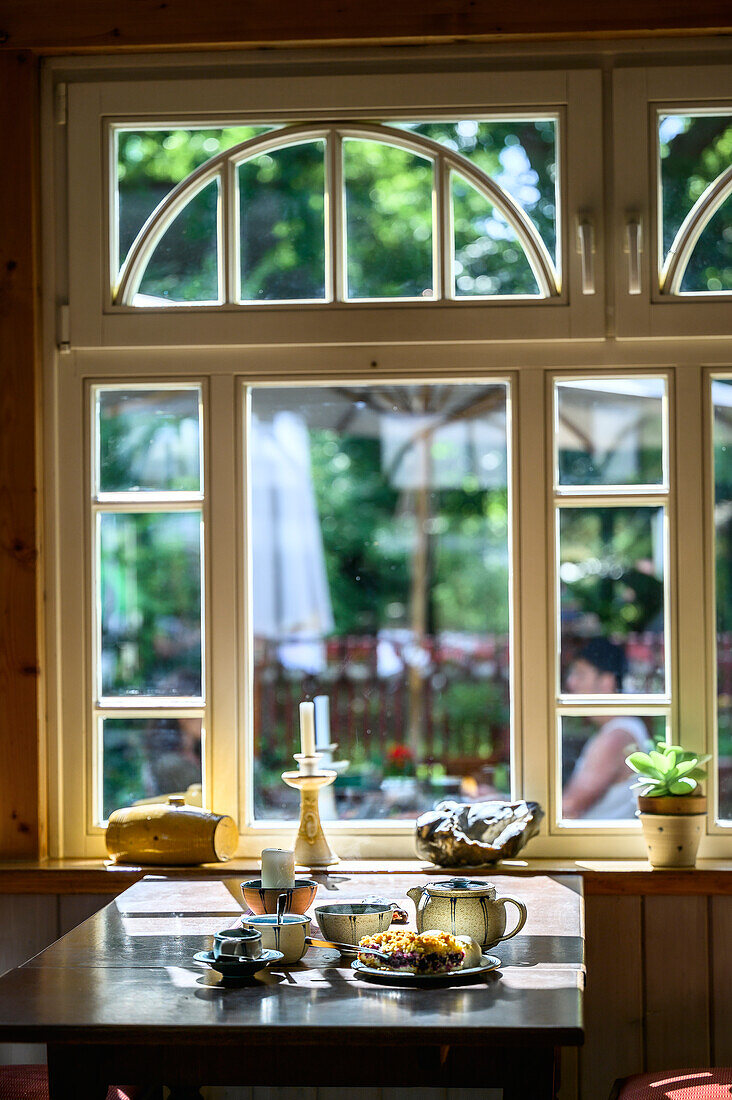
465,907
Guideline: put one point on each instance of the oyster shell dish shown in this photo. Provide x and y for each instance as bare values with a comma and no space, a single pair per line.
459,834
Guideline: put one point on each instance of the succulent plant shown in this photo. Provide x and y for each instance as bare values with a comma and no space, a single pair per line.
667,770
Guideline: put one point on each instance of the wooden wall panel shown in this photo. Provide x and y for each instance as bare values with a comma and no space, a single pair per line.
19,744
418,1094
677,995
474,1094
260,1092
28,923
75,908
614,995
721,980
353,1094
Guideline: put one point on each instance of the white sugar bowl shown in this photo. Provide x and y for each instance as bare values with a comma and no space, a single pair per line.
465,907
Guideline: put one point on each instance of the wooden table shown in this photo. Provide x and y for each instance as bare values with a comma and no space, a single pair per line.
119,999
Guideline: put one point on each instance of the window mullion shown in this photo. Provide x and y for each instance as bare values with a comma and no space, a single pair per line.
693,661
335,252
443,231
228,228
534,605
223,598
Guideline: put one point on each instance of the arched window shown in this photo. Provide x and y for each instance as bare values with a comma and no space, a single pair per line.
334,213
695,253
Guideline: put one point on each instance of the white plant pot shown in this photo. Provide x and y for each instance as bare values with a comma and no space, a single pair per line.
672,839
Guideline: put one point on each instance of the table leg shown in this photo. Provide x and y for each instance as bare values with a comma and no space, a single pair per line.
539,1077
72,1076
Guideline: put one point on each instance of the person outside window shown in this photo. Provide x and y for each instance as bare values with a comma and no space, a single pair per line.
599,786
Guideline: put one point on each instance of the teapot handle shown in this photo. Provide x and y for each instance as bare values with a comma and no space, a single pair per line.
521,916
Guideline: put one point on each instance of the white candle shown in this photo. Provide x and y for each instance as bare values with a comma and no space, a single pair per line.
307,729
322,721
278,869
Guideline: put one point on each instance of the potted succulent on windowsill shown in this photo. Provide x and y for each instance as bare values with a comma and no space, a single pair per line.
671,804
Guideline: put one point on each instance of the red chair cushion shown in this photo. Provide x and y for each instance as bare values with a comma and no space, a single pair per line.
679,1084
31,1083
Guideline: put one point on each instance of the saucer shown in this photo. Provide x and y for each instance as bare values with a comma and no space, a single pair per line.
238,968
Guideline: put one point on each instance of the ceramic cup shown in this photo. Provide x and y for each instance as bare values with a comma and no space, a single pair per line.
287,936
240,943
263,899
348,922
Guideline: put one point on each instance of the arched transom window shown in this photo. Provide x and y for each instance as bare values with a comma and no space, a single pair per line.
333,213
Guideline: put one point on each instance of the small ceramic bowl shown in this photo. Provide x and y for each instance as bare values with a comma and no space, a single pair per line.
348,922
263,899
237,943
287,935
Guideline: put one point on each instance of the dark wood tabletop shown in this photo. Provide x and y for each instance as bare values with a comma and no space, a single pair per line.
124,988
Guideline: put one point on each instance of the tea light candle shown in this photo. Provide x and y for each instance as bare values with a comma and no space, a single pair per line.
307,729
278,869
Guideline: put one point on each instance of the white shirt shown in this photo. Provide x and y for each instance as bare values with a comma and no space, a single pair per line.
618,802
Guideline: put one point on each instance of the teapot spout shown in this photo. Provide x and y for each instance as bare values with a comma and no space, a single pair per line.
415,894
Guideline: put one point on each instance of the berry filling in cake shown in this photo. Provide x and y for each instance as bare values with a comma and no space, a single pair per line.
426,953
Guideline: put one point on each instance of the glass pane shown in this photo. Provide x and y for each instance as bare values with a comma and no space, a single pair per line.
150,163
596,781
694,149
722,402
610,431
710,266
150,603
612,600
148,440
147,757
388,221
184,265
488,257
282,224
519,154
380,580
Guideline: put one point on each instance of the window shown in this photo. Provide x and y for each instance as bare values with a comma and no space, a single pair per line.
343,415
611,490
415,207
380,568
721,395
148,550
672,205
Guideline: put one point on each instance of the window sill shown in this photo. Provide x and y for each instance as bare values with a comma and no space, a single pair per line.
601,876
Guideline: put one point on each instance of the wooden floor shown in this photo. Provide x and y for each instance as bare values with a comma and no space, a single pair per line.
641,1011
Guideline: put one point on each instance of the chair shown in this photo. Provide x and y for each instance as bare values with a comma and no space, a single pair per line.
676,1084
31,1083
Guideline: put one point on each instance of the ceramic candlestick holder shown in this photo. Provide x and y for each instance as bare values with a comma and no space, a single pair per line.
311,847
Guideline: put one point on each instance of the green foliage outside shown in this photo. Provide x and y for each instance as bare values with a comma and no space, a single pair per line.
694,150
388,212
612,550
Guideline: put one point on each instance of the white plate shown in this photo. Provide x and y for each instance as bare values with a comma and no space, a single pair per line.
455,977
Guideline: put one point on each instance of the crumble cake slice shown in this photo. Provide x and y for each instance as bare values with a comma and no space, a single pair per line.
424,953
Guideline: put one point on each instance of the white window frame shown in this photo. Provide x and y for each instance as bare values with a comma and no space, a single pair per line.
607,496
95,321
639,95
228,350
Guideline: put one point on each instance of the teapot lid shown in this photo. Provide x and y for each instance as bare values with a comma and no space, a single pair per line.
461,888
